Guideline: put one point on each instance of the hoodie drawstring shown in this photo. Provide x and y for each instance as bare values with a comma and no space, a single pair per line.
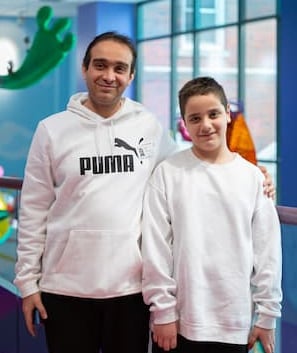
111,135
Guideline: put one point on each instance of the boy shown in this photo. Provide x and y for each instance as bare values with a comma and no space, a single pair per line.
211,240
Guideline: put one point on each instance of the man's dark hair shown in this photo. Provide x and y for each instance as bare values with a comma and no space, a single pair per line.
201,86
113,36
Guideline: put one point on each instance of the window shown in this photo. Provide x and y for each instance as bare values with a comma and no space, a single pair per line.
238,46
209,14
154,19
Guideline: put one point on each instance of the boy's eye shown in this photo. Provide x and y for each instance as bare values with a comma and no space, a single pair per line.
214,115
194,118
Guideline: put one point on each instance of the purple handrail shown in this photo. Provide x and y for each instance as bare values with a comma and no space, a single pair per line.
11,183
287,215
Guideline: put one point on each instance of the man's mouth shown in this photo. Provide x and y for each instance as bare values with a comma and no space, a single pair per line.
104,85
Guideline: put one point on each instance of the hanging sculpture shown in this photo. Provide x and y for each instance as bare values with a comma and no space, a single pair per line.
47,51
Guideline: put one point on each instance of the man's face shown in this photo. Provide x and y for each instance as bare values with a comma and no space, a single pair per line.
108,74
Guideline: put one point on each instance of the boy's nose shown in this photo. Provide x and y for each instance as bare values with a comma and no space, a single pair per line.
205,124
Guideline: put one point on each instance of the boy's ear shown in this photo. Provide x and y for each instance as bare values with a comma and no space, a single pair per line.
228,111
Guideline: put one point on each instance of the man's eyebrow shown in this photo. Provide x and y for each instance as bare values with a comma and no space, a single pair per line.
102,60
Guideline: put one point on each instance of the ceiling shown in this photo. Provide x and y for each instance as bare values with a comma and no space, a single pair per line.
26,8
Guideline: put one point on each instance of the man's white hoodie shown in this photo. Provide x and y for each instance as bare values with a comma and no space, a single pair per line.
81,202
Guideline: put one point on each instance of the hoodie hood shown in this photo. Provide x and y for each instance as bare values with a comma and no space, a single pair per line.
128,109
107,126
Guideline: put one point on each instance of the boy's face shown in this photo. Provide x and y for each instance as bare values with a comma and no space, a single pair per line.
206,120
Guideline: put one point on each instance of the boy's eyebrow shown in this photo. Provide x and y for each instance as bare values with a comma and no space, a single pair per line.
194,114
214,109
210,110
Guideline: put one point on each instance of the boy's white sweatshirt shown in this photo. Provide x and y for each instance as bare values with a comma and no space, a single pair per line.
81,202
211,249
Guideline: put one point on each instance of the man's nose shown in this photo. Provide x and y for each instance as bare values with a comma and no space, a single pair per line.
109,75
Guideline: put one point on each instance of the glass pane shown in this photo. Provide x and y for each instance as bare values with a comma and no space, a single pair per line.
219,58
215,13
260,86
256,8
182,72
154,19
183,15
153,75
184,59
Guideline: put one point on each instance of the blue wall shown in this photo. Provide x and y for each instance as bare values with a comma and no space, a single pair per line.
287,107
288,166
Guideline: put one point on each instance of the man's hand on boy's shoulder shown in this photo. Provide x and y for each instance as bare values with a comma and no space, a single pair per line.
269,188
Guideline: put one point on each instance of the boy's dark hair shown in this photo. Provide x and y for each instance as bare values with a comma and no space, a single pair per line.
113,36
200,86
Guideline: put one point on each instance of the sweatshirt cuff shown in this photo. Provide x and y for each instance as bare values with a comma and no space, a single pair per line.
265,321
164,316
27,289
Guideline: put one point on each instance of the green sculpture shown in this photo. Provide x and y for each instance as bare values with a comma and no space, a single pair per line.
47,51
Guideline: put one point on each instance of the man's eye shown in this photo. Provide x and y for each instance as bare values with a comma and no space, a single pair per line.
121,69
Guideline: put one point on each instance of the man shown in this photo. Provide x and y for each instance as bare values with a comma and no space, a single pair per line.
79,261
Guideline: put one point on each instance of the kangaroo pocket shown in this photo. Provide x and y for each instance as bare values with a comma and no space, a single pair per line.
104,260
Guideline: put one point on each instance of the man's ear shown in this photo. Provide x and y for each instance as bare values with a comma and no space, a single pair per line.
83,71
132,75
